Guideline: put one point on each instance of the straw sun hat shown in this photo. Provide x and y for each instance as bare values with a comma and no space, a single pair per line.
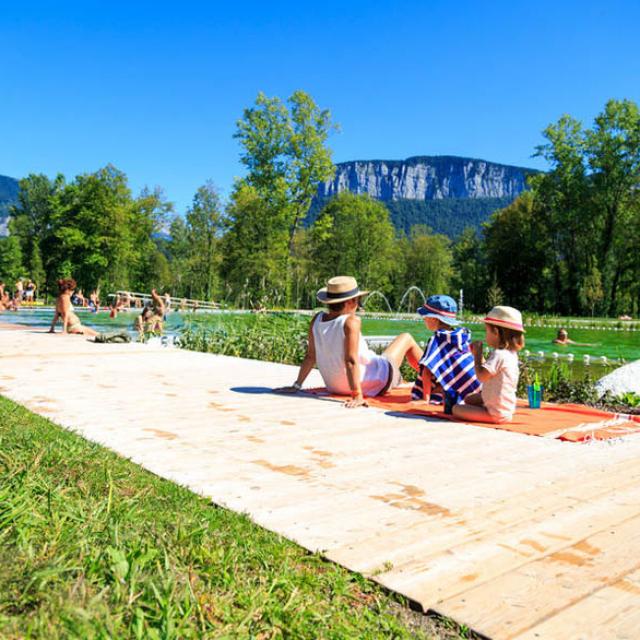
340,289
506,317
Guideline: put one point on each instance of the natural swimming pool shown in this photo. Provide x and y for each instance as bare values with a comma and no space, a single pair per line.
612,343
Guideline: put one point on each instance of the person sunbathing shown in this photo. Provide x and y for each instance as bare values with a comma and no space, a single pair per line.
563,340
346,363
64,311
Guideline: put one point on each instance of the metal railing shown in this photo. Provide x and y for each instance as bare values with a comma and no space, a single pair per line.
177,304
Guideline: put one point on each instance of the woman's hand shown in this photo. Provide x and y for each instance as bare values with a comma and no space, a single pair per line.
289,389
358,401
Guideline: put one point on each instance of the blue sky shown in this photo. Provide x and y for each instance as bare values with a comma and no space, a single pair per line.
156,88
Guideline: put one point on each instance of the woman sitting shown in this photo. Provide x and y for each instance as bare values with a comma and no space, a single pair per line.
346,363
64,311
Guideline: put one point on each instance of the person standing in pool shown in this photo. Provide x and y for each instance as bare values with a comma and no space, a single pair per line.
157,318
64,311
19,290
336,346
143,321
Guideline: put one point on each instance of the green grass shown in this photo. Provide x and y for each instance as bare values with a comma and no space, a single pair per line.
93,546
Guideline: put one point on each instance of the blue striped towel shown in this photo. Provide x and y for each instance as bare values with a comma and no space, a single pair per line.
448,357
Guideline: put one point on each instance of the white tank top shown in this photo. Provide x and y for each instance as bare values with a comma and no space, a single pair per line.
329,342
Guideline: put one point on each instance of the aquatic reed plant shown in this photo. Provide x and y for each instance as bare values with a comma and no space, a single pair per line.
270,337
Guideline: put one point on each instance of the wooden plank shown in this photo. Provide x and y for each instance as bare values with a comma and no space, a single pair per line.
609,613
443,501
431,577
412,549
517,601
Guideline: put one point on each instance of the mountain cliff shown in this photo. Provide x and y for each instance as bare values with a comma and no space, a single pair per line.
427,178
8,195
445,192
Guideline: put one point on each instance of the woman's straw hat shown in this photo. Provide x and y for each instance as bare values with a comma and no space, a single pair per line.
340,289
506,317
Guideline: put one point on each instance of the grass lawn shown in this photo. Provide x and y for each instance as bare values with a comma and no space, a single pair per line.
93,546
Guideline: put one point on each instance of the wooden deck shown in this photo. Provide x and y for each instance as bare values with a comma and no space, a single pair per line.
514,536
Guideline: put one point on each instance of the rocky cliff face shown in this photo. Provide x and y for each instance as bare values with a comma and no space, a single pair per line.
427,178
8,195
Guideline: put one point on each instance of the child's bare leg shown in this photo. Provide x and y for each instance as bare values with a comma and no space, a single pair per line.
474,413
404,346
474,399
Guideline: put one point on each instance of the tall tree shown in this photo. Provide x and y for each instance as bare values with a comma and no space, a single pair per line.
470,269
255,251
204,226
427,262
354,236
11,267
178,255
95,234
150,213
517,250
285,153
612,147
33,219
563,198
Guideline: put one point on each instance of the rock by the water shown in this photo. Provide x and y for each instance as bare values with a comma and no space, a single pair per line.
623,380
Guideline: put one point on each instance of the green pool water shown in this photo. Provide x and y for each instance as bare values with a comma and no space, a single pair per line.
616,345
613,344
41,318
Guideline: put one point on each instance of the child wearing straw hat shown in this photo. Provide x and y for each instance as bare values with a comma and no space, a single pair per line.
336,346
496,403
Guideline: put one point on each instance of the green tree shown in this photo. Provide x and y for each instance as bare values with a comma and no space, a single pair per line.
612,148
285,155
589,199
591,292
427,262
517,250
470,269
11,267
36,272
495,295
204,226
149,217
94,231
33,219
563,198
354,236
255,252
178,256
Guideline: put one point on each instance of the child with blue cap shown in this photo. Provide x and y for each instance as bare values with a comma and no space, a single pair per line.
447,362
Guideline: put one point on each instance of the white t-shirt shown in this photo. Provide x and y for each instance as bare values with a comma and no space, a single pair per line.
499,392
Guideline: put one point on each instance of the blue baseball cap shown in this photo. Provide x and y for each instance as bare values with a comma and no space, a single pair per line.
442,307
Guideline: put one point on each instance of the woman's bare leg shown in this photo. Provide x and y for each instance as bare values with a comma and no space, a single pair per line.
84,331
474,413
404,346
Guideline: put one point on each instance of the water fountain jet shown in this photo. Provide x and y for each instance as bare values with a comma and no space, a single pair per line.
407,292
373,294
